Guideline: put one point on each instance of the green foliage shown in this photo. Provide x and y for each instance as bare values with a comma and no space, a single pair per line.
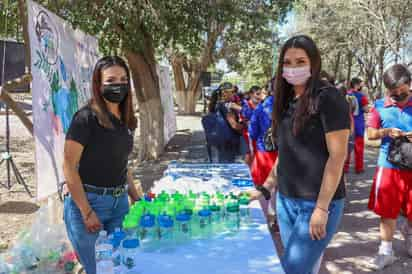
10,26
251,44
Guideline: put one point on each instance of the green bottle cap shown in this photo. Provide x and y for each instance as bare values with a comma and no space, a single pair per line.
233,208
244,200
214,208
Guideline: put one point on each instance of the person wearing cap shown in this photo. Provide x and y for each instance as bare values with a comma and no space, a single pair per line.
391,192
98,144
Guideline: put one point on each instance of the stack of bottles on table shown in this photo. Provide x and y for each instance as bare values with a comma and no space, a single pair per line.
164,221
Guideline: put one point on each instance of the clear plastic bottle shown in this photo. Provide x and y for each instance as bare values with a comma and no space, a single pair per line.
116,238
148,232
129,254
183,227
216,218
104,252
232,218
244,211
166,230
205,223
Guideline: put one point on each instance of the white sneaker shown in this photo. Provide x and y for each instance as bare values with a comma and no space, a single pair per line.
381,261
407,237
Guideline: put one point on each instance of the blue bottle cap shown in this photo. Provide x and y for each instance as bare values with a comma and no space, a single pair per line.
147,221
183,217
205,213
147,198
165,221
130,243
119,234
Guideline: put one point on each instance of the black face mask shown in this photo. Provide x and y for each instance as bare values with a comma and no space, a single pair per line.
115,93
399,98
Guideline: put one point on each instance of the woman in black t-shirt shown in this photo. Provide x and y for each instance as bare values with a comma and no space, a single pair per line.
98,143
311,124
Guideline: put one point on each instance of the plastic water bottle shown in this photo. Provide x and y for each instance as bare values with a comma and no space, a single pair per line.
104,252
148,232
166,227
216,218
205,223
244,211
183,227
116,238
129,253
232,217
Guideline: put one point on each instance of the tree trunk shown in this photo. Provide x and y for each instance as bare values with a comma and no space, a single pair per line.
381,63
146,83
350,63
186,94
337,65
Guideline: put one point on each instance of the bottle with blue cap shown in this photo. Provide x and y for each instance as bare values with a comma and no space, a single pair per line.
116,238
166,229
205,223
129,254
104,253
148,232
183,227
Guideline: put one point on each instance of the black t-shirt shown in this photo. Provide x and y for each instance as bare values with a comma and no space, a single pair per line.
302,158
103,162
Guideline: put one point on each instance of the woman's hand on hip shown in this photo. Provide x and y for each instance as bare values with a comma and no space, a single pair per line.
317,225
92,222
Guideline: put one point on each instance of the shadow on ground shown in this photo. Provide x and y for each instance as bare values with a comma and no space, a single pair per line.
18,207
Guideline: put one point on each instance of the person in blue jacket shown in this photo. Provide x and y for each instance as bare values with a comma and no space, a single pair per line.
263,160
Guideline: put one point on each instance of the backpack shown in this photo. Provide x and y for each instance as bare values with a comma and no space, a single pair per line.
270,145
400,153
217,129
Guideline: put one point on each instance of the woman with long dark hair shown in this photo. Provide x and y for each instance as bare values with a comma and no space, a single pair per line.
98,143
310,124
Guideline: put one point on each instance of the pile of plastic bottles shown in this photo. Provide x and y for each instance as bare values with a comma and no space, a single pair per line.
207,171
162,222
43,249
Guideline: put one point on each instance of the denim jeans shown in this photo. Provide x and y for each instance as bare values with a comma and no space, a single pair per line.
109,210
224,154
301,253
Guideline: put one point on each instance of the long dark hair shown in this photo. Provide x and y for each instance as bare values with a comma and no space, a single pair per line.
97,102
307,104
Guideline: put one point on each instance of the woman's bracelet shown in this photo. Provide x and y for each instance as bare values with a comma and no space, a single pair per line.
324,210
88,214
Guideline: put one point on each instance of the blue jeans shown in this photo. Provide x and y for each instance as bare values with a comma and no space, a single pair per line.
109,210
301,253
224,154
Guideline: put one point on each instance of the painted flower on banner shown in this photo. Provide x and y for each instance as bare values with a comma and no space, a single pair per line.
63,88
47,36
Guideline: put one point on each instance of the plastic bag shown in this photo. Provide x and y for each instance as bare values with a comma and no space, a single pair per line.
44,248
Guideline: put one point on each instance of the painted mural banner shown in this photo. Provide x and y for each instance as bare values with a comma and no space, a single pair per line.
62,61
